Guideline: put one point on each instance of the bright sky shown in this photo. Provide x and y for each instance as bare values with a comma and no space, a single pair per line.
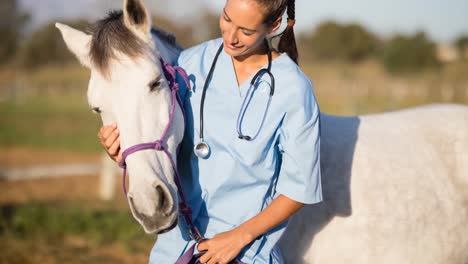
443,20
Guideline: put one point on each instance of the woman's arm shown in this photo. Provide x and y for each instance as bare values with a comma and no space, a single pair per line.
224,247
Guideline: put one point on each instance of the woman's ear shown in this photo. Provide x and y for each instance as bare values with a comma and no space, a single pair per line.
276,25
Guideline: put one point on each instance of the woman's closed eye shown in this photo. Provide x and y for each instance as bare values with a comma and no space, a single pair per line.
248,32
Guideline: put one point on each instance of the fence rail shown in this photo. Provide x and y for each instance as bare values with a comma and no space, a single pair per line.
106,169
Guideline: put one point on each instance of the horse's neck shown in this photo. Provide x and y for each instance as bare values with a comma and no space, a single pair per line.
168,52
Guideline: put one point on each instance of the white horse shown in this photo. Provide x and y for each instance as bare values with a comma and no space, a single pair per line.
128,87
395,184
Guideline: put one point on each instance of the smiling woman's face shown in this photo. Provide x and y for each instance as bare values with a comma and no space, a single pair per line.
242,27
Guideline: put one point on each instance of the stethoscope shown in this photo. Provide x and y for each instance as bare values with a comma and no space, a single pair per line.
202,149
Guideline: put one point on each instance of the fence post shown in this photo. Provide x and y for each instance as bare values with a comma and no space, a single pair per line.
107,178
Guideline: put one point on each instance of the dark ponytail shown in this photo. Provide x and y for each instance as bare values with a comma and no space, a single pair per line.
287,41
274,11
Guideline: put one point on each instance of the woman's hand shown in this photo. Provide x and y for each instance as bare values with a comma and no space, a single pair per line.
223,247
110,141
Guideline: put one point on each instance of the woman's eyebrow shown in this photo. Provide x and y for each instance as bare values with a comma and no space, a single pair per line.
248,29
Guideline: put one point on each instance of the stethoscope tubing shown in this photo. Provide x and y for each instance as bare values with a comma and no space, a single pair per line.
245,104
205,87
202,144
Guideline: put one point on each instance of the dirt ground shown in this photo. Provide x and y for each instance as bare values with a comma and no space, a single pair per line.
13,157
72,250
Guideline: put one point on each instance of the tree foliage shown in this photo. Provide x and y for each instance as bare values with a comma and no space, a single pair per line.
188,35
329,41
183,33
410,53
462,45
12,21
334,41
46,46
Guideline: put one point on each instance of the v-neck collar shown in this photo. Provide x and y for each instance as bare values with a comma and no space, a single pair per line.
241,89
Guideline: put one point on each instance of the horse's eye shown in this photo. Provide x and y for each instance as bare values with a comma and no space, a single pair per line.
155,83
96,110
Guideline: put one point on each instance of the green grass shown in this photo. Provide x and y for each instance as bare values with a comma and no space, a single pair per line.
71,233
60,118
55,122
55,221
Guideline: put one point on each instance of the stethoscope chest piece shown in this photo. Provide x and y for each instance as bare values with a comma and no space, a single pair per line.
202,150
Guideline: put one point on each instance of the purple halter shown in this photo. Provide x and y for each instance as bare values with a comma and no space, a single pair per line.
170,73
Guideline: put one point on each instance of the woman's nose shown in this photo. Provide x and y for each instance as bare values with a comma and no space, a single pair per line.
231,36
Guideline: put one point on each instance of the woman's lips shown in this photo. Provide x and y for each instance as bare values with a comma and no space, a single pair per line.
231,47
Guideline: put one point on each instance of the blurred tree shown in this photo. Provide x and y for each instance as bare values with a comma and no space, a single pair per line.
12,21
410,53
46,46
190,35
333,41
183,33
325,41
209,28
359,42
462,45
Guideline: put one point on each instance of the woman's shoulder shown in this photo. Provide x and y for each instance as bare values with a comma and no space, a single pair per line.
293,79
198,52
294,85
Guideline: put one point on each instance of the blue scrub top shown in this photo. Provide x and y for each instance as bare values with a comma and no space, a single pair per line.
240,178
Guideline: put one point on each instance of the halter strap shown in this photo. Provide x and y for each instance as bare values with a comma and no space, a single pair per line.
170,73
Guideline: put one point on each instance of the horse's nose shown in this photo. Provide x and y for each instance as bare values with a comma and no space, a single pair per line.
153,200
163,200
153,207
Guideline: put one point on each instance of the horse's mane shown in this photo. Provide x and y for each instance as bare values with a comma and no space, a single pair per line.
165,36
110,35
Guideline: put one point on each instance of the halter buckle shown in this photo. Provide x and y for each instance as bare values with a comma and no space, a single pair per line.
158,145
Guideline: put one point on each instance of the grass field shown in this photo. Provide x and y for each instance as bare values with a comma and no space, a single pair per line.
66,233
47,108
62,220
56,122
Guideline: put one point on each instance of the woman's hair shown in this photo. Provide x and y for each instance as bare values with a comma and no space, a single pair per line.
274,10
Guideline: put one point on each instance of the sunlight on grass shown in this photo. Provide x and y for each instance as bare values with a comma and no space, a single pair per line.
66,233
57,122
47,108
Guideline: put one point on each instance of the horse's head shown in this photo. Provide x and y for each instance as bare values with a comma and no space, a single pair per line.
128,87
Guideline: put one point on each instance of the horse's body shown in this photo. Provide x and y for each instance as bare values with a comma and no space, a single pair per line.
395,184
395,190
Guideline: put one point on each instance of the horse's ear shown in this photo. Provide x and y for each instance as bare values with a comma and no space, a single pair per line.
77,42
136,16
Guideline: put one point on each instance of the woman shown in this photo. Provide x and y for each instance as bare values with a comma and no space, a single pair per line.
264,160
